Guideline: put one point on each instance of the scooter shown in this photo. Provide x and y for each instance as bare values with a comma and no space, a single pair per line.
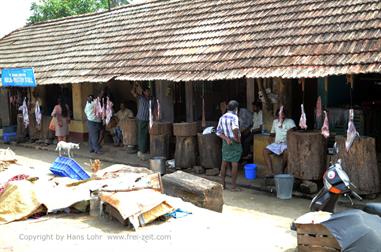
337,184
355,230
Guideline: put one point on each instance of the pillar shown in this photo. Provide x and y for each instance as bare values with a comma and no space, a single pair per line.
78,126
250,93
189,101
164,94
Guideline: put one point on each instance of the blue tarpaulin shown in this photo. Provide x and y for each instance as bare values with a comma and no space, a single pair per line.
17,77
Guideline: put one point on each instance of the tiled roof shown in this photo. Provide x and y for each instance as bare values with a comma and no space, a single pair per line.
184,40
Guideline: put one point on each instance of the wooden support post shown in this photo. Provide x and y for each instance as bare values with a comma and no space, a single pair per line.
165,96
250,93
78,127
189,101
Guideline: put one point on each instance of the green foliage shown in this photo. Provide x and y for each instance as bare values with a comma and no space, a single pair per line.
50,9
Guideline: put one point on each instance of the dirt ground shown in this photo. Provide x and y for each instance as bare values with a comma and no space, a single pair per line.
251,220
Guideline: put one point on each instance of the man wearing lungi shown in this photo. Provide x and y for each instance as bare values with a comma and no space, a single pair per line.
228,130
279,147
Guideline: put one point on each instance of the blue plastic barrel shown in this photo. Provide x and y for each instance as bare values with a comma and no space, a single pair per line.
250,171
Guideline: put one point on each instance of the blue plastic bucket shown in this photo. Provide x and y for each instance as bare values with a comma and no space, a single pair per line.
250,171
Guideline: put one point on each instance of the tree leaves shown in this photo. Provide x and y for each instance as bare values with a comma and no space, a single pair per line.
51,9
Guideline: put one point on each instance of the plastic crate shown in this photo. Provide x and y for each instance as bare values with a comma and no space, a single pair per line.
9,137
67,167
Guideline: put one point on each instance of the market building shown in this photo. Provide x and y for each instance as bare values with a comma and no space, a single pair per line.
196,54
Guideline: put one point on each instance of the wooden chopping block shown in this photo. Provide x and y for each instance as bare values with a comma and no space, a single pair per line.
159,145
360,163
199,191
307,154
129,131
209,147
185,129
161,128
186,151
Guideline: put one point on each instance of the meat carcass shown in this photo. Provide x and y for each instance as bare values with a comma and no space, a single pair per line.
158,110
108,110
351,132
98,109
303,119
24,109
37,113
325,128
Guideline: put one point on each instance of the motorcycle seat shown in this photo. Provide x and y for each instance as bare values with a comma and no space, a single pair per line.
373,208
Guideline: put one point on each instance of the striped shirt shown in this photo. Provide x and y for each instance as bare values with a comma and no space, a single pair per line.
227,123
143,109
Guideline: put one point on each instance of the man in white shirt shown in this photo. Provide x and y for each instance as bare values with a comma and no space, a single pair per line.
279,129
257,117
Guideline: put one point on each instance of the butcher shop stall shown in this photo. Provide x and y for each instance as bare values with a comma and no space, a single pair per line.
337,117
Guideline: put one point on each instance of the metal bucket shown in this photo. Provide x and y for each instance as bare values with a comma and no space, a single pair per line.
157,164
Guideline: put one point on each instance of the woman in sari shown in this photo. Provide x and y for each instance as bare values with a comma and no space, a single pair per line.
61,117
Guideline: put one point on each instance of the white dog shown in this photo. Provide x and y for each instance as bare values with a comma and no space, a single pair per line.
62,145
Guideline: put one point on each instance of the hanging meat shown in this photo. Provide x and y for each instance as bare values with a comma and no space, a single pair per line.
325,128
25,115
108,110
37,113
158,109
150,114
303,119
351,132
98,109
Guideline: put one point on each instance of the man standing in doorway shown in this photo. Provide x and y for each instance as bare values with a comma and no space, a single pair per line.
143,95
228,130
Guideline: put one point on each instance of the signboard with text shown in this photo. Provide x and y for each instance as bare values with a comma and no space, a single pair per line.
17,77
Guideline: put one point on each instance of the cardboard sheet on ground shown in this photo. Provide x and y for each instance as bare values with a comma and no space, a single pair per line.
24,198
140,207
18,201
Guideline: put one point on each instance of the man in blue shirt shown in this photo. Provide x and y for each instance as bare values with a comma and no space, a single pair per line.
143,95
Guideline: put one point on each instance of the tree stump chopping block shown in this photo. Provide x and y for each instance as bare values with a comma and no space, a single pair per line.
209,147
186,151
161,128
159,145
307,154
129,131
199,191
360,163
185,129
